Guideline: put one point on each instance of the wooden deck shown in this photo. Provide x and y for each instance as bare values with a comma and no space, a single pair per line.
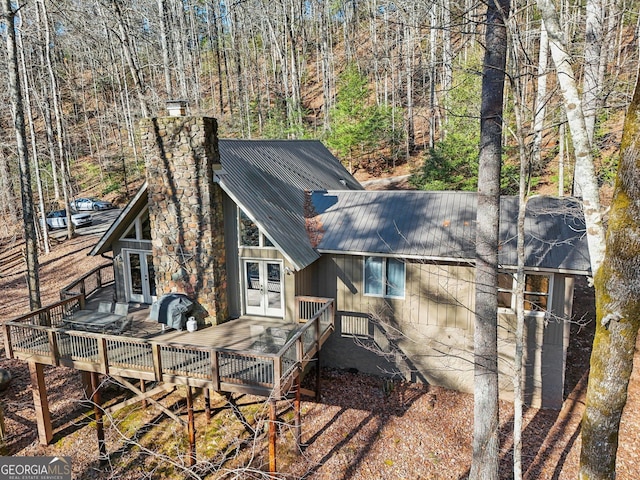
248,355
259,356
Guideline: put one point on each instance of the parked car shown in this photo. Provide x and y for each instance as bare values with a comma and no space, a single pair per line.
91,203
58,219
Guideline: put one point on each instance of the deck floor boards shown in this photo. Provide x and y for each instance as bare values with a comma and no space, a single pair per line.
236,334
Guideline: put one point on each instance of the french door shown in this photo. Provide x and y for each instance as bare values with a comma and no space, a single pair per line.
263,288
141,279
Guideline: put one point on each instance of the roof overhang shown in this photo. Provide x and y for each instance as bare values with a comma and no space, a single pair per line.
126,217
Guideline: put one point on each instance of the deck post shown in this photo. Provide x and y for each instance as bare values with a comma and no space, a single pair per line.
296,407
97,411
272,436
41,403
8,347
143,389
191,458
2,432
86,384
207,403
318,376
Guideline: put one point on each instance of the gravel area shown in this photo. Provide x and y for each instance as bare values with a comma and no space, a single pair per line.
363,427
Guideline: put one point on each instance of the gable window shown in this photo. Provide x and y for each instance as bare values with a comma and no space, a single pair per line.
249,234
140,229
384,277
537,292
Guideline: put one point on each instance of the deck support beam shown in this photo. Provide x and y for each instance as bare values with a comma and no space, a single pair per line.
297,422
143,389
273,418
85,377
147,396
207,403
318,376
97,411
41,403
191,458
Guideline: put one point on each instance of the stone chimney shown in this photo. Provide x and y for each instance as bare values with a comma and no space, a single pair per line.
185,211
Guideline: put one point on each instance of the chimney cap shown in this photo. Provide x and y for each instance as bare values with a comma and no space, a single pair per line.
177,108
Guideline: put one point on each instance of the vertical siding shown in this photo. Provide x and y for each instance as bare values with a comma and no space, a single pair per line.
436,316
435,295
231,250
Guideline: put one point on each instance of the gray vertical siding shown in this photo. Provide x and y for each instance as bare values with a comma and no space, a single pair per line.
231,250
436,319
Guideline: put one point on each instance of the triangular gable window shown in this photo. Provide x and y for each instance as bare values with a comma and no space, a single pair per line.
140,228
249,234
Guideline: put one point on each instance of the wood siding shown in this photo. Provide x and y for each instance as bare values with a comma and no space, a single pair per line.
435,324
435,295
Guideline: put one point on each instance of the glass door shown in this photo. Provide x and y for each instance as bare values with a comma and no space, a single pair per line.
141,280
263,288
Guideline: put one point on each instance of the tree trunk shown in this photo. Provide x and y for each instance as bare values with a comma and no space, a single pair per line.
15,91
541,99
591,86
485,434
617,284
57,110
7,194
518,394
128,50
166,65
34,150
584,170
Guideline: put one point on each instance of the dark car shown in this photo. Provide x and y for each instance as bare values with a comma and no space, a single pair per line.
58,219
91,203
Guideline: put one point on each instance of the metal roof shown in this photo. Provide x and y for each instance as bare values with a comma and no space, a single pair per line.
268,180
441,225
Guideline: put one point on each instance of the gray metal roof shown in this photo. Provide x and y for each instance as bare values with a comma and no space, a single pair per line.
441,225
268,179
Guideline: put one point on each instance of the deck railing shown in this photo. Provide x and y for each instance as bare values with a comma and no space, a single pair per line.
40,337
90,282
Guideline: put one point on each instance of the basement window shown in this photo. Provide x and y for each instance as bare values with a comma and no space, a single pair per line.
537,292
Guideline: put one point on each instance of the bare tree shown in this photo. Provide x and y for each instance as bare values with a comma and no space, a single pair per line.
584,169
57,111
15,88
485,432
34,148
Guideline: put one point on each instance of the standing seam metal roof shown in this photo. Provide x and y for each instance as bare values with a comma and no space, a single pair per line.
268,179
442,225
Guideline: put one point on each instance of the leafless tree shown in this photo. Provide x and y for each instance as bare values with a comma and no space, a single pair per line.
485,432
28,217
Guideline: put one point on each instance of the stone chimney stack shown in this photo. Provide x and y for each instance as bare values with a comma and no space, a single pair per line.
185,211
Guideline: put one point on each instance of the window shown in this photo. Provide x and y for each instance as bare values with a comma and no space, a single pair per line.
537,291
140,228
384,277
249,234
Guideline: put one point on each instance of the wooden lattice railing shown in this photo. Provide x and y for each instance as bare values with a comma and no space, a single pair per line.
40,337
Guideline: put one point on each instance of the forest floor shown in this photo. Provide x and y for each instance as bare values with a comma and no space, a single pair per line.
363,428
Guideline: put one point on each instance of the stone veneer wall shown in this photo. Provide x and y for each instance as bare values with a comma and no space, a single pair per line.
185,211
